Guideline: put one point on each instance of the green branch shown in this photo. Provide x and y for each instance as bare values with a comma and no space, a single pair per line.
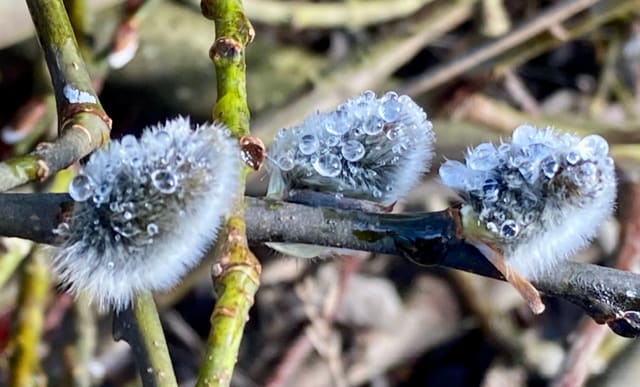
82,122
139,325
237,272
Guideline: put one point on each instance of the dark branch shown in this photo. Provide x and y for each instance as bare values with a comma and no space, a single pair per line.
33,216
608,295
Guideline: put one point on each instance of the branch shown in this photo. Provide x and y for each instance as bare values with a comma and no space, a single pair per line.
236,273
608,295
83,124
139,325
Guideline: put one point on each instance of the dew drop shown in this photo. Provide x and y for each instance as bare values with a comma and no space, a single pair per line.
332,141
362,110
390,108
491,190
368,94
353,150
328,165
285,162
135,161
509,229
337,124
549,166
483,157
593,147
308,144
453,173
152,229
81,188
374,126
282,133
523,134
376,193
399,148
573,157
394,133
127,215
586,175
163,137
129,143
111,265
164,181
529,171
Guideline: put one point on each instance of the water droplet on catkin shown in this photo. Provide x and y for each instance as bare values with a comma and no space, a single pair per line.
328,165
353,150
164,181
81,188
308,144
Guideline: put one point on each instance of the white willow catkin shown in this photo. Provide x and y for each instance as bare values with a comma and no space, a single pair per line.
540,197
368,148
146,209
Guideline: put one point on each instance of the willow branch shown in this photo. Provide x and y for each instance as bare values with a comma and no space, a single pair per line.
236,274
608,295
139,325
83,124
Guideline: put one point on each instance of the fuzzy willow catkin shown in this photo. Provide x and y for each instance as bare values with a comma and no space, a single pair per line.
539,198
368,148
146,209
